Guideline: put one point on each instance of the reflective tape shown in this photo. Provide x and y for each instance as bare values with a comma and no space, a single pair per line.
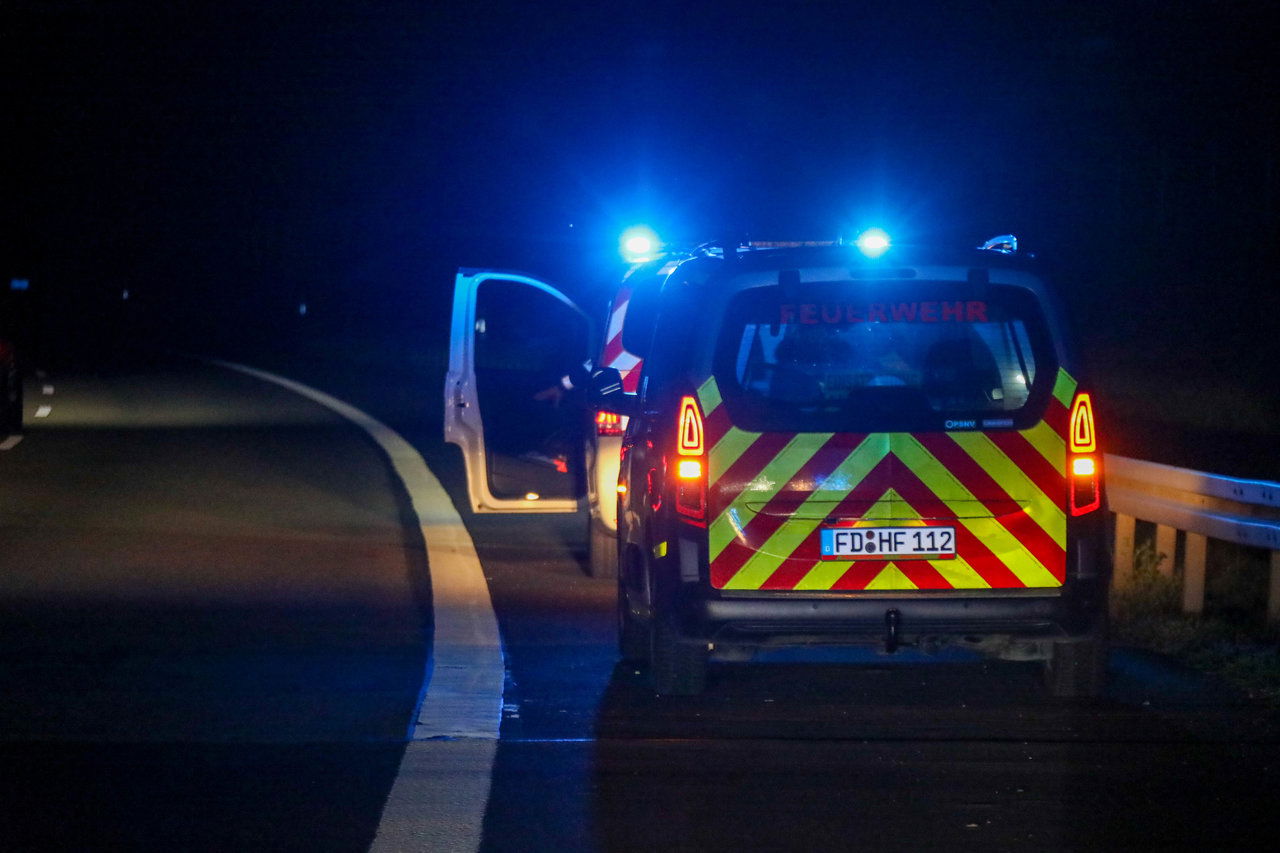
1002,491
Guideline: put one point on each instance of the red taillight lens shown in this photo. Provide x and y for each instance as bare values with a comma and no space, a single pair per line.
1083,437
690,466
608,423
1084,461
689,441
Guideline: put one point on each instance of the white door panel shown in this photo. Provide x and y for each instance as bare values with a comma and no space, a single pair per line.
509,335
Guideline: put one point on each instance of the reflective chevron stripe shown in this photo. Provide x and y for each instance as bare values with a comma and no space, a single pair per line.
1002,491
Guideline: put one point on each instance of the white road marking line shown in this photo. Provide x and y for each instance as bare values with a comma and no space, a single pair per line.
47,390
10,443
442,788
44,411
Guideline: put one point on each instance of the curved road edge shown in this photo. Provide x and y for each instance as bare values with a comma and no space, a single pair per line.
441,790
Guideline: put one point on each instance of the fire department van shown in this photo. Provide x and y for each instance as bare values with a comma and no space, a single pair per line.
825,445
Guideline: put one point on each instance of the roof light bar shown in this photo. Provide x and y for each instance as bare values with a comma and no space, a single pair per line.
1005,244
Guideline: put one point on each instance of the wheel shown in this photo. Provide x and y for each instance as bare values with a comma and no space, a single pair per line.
675,668
1077,669
602,555
633,640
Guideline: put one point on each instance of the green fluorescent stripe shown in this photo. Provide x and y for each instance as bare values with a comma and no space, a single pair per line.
728,449
891,577
1047,512
1048,443
1010,551
823,575
722,531
709,395
1007,547
959,573
779,471
1064,388
789,536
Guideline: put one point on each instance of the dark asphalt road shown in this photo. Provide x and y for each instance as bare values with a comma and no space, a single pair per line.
212,635
211,618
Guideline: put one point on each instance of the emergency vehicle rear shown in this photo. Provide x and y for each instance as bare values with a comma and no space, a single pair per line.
826,447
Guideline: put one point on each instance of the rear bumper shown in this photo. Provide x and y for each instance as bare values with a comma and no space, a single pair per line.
1069,613
1078,609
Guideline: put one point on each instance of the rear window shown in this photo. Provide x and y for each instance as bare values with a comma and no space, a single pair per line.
874,358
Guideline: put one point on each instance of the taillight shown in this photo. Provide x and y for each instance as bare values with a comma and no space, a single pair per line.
1084,468
691,462
608,423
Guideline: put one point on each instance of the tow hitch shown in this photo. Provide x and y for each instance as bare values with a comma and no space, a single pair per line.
892,618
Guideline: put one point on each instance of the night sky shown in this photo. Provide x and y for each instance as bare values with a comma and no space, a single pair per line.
227,157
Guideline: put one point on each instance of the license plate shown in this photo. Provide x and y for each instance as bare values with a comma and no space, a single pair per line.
887,543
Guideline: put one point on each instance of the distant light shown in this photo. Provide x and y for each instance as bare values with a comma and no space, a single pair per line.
19,284
532,496
639,244
302,309
873,242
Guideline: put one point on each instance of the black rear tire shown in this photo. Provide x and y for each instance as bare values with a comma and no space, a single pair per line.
1077,669
676,668
633,639
602,555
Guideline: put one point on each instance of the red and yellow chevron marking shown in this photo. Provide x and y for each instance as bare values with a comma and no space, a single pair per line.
1003,491
614,355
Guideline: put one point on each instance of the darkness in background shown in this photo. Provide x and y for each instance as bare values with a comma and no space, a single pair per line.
226,162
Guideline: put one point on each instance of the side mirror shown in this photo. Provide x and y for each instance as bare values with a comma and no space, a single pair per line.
605,392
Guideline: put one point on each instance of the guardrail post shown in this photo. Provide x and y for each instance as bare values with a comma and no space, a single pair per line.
1123,565
1193,573
1167,547
1273,598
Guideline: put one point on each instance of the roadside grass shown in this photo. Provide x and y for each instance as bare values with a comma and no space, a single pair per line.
1231,639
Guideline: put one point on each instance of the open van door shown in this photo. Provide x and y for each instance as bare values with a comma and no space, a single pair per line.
513,340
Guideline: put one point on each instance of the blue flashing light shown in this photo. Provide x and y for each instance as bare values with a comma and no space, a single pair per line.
640,244
873,242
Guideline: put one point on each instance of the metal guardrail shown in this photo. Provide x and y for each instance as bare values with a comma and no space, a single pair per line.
1202,506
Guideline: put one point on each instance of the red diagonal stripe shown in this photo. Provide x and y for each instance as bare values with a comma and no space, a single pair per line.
878,481
861,573
715,425
963,467
974,551
631,378
745,468
923,575
612,350
1056,416
728,562
1047,478
761,527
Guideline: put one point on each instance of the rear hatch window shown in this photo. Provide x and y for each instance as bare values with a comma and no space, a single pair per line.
900,356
